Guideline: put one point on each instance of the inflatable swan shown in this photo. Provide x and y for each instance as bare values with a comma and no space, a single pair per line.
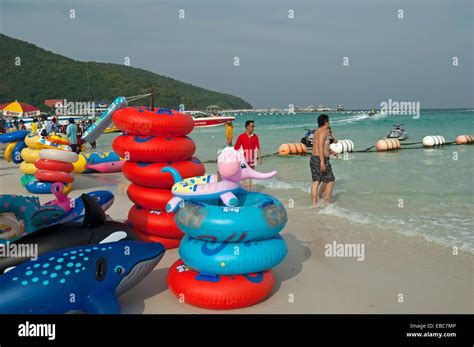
233,168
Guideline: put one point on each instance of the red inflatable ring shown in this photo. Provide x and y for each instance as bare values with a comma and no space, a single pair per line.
153,149
53,165
168,243
150,198
159,122
155,223
54,176
219,292
150,175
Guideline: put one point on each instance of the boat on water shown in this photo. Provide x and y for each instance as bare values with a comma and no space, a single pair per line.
206,120
398,132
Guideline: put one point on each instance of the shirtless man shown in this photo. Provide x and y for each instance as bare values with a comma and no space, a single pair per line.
321,170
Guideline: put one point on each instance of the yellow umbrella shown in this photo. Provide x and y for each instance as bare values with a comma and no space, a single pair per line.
18,109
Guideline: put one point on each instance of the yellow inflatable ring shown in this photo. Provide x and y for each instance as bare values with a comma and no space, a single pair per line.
58,138
30,155
80,164
9,151
28,168
36,141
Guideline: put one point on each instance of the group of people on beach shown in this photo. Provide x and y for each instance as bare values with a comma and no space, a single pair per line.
320,166
45,126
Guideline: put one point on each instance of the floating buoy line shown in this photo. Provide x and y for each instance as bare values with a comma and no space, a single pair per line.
383,145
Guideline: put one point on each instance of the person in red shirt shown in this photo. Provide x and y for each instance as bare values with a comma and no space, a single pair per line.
250,144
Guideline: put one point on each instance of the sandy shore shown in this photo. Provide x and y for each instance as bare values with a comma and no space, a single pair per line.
430,278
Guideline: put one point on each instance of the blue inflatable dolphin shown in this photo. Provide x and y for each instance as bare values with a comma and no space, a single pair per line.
85,279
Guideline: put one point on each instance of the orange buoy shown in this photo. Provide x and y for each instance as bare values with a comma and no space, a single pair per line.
292,149
464,139
387,145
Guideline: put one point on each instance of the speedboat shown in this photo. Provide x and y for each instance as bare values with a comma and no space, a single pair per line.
205,120
398,132
308,138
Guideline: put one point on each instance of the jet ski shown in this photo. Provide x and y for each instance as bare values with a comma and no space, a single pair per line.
398,132
308,138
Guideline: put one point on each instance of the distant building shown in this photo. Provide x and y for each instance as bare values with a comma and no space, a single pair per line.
53,102
213,109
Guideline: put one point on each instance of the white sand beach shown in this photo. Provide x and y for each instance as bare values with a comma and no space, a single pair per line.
430,278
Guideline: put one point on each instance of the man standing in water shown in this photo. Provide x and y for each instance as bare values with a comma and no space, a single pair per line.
250,144
321,170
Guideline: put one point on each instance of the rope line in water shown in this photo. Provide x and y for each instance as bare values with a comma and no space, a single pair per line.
367,150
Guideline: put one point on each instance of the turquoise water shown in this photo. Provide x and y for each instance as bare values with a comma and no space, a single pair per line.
417,192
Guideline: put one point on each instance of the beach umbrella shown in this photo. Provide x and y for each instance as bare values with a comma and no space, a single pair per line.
18,109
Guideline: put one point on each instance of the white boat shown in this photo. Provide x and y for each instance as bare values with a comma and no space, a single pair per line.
205,120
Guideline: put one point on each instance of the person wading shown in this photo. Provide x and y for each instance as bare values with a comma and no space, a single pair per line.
321,170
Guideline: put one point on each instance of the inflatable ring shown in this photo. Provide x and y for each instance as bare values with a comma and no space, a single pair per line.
80,164
37,187
155,223
154,149
16,155
210,221
150,175
223,258
58,138
9,151
30,155
159,122
54,176
168,243
54,154
150,198
13,136
28,168
219,292
53,165
36,141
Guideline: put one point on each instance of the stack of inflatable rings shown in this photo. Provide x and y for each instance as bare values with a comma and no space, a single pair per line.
15,145
226,260
154,139
41,171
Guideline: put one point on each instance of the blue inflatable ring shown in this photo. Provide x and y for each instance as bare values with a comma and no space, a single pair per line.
258,216
14,136
34,186
224,258
16,155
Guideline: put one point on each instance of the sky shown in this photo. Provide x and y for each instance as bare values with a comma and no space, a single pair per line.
287,52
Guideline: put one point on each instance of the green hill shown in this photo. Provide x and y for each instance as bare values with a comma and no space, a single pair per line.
44,75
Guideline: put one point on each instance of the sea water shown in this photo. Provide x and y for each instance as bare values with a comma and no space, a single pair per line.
416,192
